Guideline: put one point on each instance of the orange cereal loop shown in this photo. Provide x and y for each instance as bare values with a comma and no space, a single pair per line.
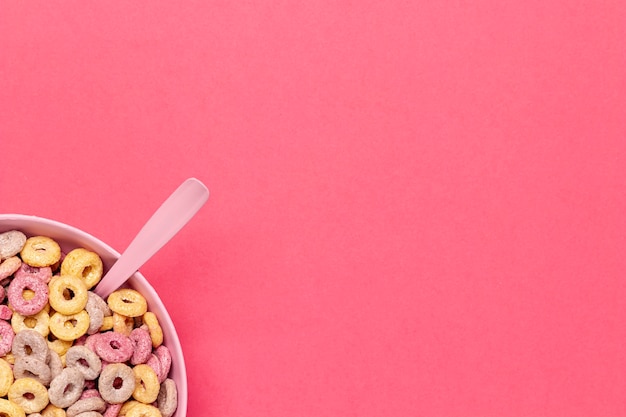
52,410
40,251
156,333
83,264
127,302
123,324
10,409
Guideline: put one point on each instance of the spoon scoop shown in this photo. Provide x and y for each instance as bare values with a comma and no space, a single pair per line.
173,214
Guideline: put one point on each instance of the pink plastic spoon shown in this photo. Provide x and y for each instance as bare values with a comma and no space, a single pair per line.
173,214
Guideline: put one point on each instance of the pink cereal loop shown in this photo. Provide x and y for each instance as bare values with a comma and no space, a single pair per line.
32,306
6,338
143,346
5,312
89,393
154,363
165,359
112,410
114,347
3,294
42,273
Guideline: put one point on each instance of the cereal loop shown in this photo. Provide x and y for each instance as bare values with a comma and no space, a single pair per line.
143,410
146,384
29,367
40,251
69,327
123,324
83,264
114,347
112,410
85,405
156,333
11,243
55,364
10,409
116,383
6,337
43,273
9,266
128,302
58,345
52,411
68,294
29,343
143,346
107,324
40,322
6,377
17,298
66,388
29,394
167,401
84,360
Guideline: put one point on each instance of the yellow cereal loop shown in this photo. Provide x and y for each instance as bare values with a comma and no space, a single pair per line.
10,409
123,324
40,322
146,384
156,333
52,410
143,410
83,264
107,324
68,294
69,327
127,406
40,251
59,346
127,302
10,358
29,394
6,377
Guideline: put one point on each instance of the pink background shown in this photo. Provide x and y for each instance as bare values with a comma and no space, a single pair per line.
417,208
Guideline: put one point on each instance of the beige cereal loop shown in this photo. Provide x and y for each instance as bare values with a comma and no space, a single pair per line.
10,409
127,302
6,377
68,294
83,264
156,333
11,243
69,327
146,384
40,251
29,394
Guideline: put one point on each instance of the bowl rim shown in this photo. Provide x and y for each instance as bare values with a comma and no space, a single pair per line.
181,410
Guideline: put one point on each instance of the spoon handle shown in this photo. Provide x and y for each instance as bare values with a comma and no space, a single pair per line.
173,214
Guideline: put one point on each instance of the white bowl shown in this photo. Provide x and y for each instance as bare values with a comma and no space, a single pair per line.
69,238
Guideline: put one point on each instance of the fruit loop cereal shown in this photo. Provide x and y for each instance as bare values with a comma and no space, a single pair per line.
66,352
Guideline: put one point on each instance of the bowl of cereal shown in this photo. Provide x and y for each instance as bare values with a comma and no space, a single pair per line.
64,347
